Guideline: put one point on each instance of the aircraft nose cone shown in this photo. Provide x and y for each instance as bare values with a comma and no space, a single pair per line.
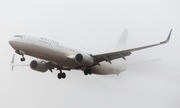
11,42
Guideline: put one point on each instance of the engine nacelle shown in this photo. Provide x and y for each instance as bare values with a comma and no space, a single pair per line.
84,59
38,66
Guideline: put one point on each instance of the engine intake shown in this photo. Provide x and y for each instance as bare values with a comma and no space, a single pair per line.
84,59
79,57
38,66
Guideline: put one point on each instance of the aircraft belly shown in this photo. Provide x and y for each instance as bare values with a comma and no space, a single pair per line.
107,68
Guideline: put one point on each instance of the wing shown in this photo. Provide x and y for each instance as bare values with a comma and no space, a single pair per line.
122,54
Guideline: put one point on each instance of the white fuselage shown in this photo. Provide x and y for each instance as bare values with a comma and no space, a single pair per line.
60,54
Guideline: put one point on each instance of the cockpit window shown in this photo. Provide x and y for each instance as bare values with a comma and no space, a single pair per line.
19,36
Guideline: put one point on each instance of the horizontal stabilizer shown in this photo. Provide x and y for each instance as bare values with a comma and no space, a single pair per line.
141,62
12,62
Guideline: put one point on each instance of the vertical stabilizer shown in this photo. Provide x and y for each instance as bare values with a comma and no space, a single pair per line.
121,45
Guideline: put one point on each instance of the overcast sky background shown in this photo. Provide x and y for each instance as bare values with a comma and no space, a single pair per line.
95,25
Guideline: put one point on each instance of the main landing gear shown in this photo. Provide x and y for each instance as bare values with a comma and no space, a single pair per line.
61,75
87,71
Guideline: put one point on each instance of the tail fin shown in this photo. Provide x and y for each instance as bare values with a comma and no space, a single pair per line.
121,45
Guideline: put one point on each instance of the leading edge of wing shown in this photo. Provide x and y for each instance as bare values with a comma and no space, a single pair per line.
123,53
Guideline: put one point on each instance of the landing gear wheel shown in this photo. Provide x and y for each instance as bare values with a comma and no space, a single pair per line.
87,71
90,71
22,59
61,75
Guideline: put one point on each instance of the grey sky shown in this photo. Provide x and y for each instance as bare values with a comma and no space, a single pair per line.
95,25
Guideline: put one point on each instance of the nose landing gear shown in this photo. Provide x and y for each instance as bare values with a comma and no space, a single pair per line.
21,53
22,59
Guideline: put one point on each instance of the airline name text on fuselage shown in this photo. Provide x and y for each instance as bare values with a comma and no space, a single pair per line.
49,40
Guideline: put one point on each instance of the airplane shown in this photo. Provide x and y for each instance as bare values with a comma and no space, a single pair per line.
54,55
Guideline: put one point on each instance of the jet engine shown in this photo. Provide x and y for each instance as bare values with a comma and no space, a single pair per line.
84,59
38,66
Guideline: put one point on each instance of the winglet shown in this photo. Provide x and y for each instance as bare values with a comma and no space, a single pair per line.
168,38
12,62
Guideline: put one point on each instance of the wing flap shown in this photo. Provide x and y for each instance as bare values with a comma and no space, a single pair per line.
111,56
